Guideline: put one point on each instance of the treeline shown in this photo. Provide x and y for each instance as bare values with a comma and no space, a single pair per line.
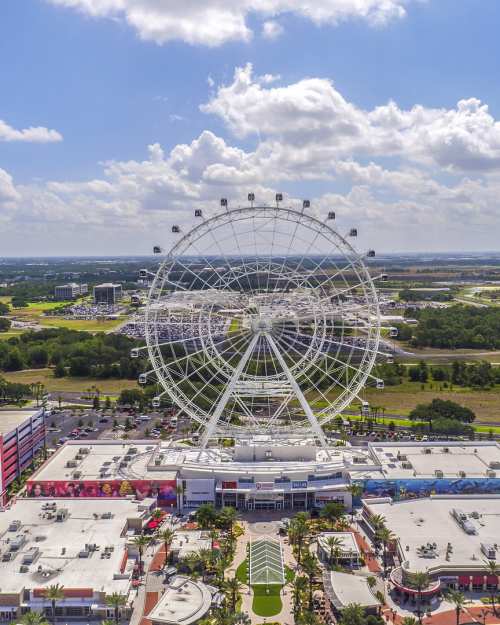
457,327
475,375
409,295
71,353
13,392
444,417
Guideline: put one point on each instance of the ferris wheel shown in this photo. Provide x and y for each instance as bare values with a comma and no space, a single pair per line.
261,320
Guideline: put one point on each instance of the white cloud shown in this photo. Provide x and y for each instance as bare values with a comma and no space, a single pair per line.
313,123
215,22
272,29
33,134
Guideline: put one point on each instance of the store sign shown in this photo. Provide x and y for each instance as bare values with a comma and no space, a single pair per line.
233,485
200,490
302,484
264,485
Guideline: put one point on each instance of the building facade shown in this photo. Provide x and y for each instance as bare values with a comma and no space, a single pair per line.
107,293
22,434
70,291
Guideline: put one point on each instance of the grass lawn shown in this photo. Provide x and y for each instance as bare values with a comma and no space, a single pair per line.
234,326
11,333
34,313
242,572
51,383
266,600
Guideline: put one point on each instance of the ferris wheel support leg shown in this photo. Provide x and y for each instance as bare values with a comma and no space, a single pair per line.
212,423
299,394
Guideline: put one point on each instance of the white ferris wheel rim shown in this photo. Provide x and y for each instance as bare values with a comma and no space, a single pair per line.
171,386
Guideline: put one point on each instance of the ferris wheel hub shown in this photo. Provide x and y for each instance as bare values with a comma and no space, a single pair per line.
261,325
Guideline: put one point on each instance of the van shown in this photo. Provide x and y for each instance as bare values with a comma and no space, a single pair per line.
144,417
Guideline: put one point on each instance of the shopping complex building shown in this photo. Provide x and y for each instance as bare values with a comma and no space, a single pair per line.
264,475
82,545
450,537
22,434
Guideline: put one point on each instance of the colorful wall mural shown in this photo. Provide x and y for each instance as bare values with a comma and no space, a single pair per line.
412,489
164,491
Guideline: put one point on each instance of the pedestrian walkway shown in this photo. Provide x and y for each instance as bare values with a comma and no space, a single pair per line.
368,555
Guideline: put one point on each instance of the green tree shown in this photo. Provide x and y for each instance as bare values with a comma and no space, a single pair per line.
493,570
141,542
54,594
227,518
458,600
356,490
33,618
298,590
233,587
419,580
166,536
5,324
385,536
334,544
206,515
116,600
311,569
332,512
353,614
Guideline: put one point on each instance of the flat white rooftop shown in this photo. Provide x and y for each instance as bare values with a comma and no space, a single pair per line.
431,460
11,419
420,522
190,541
103,461
348,543
60,542
345,589
185,601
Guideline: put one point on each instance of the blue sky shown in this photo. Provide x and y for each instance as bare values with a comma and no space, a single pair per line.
100,85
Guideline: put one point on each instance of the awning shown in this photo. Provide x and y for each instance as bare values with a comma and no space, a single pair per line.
478,580
464,579
492,580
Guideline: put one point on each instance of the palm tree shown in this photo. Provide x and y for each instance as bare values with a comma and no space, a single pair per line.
310,568
233,587
141,542
192,562
356,491
494,571
332,512
167,536
353,614
334,545
179,489
308,618
297,532
458,599
298,590
214,535
420,580
54,594
227,518
33,618
385,536
377,521
107,621
409,620
157,514
116,601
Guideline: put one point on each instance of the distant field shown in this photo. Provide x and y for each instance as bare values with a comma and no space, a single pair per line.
401,399
10,334
67,384
33,313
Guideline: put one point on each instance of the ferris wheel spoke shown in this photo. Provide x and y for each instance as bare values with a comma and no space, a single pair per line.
346,364
341,344
314,386
212,423
298,392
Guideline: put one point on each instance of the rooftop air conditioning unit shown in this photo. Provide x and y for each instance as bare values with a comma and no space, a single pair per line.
494,464
402,457
84,451
406,465
446,450
71,464
78,457
462,474
491,473
77,475
427,450
438,473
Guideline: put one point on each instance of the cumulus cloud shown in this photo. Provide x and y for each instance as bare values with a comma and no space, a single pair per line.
33,134
272,29
313,122
215,22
